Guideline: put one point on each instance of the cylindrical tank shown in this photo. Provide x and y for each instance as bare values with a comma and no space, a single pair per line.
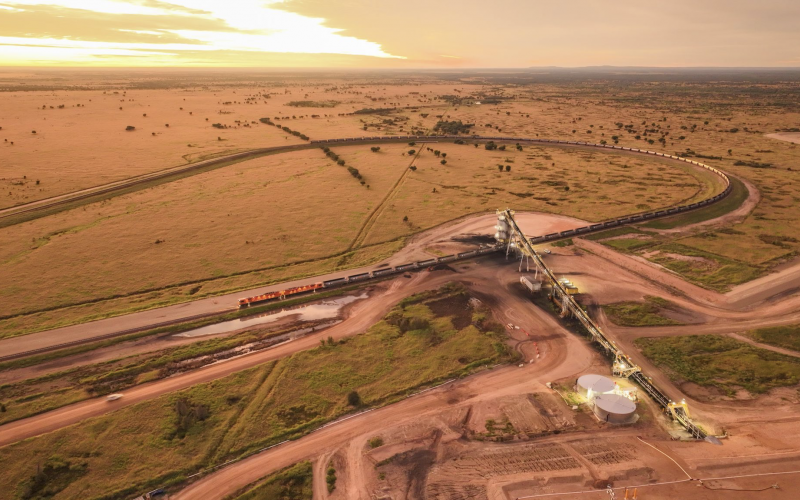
502,228
614,408
591,385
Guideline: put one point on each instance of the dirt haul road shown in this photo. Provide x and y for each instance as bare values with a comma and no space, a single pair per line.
567,355
532,223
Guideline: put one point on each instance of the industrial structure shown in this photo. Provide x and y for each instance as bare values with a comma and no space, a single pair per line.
511,236
592,385
614,409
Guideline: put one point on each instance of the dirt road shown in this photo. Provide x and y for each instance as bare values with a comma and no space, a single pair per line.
564,347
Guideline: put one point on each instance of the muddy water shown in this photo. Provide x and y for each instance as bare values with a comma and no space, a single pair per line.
323,310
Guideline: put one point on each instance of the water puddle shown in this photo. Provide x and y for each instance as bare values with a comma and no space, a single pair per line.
323,310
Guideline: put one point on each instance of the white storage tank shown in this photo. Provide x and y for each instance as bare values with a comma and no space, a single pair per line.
592,385
614,409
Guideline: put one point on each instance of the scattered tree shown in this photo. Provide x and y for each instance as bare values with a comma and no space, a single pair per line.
353,399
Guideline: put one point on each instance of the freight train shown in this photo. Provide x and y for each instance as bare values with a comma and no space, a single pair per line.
629,219
355,278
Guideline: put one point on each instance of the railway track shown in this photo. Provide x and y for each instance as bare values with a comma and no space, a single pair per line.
44,207
622,361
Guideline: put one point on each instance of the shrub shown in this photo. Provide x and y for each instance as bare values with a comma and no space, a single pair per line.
452,127
353,398
375,442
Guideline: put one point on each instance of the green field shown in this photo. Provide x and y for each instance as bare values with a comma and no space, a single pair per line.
294,483
720,362
426,339
704,268
731,202
787,337
647,313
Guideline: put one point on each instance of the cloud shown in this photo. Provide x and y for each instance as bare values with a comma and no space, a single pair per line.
75,30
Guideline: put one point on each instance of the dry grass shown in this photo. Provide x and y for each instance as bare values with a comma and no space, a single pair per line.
137,448
600,185
254,215
250,216
109,248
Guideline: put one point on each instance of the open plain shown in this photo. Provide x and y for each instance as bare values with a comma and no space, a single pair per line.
445,380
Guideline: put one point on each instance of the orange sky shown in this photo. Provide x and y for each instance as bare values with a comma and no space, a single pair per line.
399,33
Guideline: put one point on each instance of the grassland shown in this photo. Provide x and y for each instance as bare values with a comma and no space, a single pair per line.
704,268
213,225
54,317
707,269
176,130
724,363
425,339
734,200
597,186
154,248
647,313
787,337
294,483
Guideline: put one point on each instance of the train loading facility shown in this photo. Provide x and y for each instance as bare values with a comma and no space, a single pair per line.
511,236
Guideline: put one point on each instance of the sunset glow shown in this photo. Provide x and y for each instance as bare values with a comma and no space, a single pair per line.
388,33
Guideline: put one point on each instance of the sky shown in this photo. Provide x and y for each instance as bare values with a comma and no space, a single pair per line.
399,33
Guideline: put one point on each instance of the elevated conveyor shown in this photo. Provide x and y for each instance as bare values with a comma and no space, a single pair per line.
509,233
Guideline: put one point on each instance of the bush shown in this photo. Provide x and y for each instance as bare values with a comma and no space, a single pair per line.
452,127
353,398
375,442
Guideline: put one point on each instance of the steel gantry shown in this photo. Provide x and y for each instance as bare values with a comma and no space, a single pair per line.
509,234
